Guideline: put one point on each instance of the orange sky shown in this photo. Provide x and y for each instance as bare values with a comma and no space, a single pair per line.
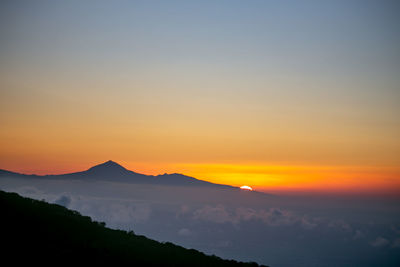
235,143
306,103
286,179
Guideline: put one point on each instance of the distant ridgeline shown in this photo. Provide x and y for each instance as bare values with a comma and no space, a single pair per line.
37,233
113,172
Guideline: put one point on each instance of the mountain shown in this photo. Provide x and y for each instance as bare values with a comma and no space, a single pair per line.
113,172
109,167
37,233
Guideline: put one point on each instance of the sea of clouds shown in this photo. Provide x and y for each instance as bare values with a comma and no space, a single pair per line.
242,225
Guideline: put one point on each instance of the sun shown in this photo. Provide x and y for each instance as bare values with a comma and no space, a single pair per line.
246,187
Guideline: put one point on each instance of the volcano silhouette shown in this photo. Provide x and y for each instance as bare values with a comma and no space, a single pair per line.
114,172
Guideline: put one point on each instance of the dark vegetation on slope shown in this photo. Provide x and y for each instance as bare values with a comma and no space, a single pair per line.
35,232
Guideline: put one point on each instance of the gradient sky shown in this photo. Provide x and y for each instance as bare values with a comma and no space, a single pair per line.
282,95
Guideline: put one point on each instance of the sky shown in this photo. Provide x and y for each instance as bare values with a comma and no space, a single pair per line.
277,95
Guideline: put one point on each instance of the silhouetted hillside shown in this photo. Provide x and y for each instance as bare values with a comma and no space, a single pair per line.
35,232
112,171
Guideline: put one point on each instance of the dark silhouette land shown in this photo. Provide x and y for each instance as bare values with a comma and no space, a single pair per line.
37,233
113,172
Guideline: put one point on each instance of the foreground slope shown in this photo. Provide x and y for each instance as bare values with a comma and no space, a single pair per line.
35,232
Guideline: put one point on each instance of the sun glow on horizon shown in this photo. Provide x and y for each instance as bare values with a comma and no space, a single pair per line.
298,178
246,187
266,177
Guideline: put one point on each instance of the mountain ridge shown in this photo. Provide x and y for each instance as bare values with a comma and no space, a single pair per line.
111,171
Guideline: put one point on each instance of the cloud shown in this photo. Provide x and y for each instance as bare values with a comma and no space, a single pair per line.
63,201
358,235
246,214
341,225
276,216
185,232
126,212
29,190
217,214
308,223
271,217
396,243
32,192
115,212
184,210
222,244
395,229
379,242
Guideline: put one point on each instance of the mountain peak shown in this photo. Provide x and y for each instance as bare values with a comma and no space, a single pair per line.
108,166
111,163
